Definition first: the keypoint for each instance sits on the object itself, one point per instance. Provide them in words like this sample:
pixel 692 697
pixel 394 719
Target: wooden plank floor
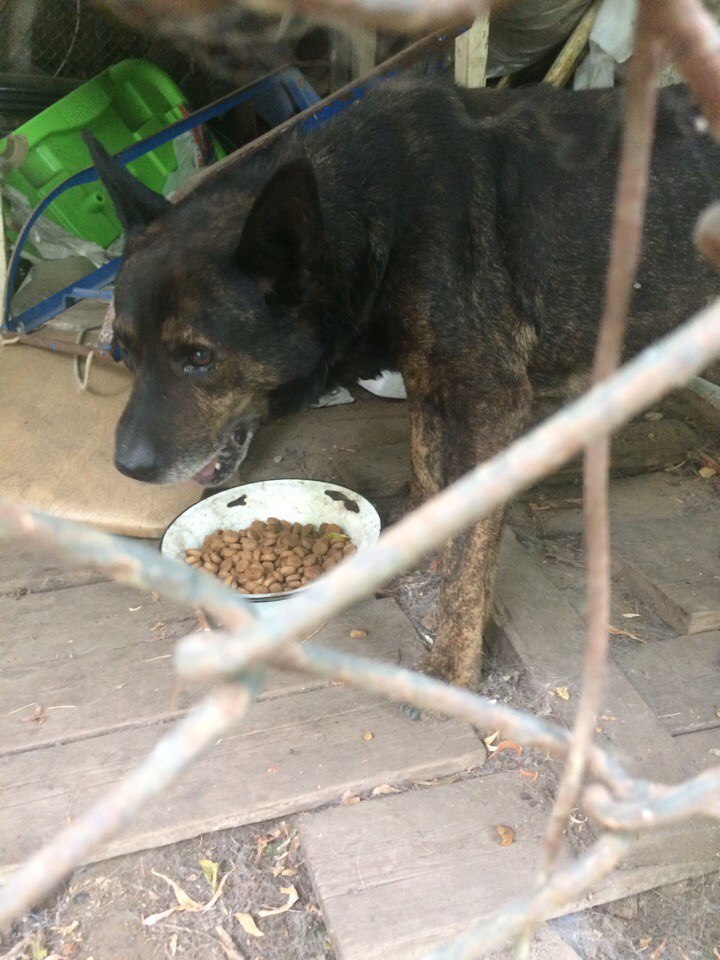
pixel 86 703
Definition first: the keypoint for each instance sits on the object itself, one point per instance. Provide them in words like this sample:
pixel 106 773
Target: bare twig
pixel 662 805
pixel 633 179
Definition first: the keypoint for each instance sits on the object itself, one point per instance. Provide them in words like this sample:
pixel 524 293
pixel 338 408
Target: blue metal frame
pixel 286 81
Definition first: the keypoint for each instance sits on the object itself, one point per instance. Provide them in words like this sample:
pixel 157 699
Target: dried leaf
pixel 292 898
pixel 184 901
pixel 644 942
pixel 599 730
pixel 618 632
pixel 509 745
pixel 562 692
pixel 383 790
pixel 358 634
pixel 707 472
pixel 506 835
pixel 717 712
pixel 348 798
pixel 248 925
pixel 607 716
pixel 210 872
pixel 658 951
pixel 289 872
pixel 654 415
pixel 489 741
pixel 367 736
pixel 173 944
pixel 529 774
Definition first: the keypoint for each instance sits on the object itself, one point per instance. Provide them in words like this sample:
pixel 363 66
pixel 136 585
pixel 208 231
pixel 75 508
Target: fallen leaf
pixel 530 774
pixel 506 835
pixel 158 625
pixel 644 942
pixel 654 415
pixel 489 741
pixel 617 632
pixel 717 712
pixel 173 944
pixel 562 692
pixel 272 769
pixel 38 716
pixel 715 752
pixel 383 790
pixel 707 472
pixel 599 730
pixel 184 901
pixel 248 925
pixel 658 951
pixel 508 745
pixel 289 872
pixel 292 898
pixel 357 634
pixel 210 872
pixel 348 798
pixel 608 717
pixel 368 735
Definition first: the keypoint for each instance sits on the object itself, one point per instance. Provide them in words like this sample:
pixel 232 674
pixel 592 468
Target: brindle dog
pixel 459 237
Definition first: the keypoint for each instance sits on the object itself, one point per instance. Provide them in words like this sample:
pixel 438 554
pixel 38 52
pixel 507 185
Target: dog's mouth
pixel 228 458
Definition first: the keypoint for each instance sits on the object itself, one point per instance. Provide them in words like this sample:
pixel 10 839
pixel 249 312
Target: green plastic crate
pixel 124 104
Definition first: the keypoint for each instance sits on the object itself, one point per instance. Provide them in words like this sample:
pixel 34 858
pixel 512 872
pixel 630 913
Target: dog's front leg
pixel 473 428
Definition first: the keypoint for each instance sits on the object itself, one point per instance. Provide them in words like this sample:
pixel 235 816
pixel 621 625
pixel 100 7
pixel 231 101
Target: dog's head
pixel 214 317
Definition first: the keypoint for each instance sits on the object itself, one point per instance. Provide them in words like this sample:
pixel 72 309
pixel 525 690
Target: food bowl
pixel 305 501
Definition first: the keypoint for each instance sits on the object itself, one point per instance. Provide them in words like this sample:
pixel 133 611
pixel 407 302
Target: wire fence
pixel 622 808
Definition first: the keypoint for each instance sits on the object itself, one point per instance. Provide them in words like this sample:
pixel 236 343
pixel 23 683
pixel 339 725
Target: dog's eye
pixel 199 359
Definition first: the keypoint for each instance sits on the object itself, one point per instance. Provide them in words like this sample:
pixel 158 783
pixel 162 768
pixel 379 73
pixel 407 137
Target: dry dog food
pixel 271 556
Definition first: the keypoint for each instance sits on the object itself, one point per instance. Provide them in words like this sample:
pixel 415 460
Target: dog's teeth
pixel 217 464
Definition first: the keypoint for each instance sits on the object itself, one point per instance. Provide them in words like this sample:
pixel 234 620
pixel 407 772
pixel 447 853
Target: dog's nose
pixel 137 460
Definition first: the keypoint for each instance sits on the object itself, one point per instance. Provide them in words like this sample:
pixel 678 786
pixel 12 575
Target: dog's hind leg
pixel 477 422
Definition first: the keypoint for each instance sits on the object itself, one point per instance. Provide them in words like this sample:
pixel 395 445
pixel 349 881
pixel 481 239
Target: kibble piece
pixel 321 547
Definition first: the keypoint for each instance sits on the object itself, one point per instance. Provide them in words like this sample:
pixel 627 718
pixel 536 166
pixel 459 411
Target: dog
pixel 460 237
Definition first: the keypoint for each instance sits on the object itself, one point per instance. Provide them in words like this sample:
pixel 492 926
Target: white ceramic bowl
pixel 304 501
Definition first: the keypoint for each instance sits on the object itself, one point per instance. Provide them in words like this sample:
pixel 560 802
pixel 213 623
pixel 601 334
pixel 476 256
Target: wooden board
pixel 399 874
pixel 675 565
pixel 292 753
pixel 651 497
pixel 548 635
pixel 98 658
pixel 701 747
pixel 639 447
pixel 58 447
pixel 31 569
pixel 679 679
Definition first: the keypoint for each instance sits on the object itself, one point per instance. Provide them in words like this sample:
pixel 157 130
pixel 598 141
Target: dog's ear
pixel 282 237
pixel 135 204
